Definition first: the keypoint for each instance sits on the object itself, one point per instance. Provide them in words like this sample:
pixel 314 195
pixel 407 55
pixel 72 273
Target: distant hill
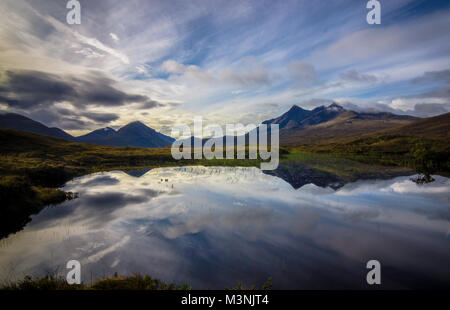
pixel 437 127
pixel 22 123
pixel 332 124
pixel 135 134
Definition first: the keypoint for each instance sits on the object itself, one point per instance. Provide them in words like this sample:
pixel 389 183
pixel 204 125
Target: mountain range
pixel 134 134
pixel 332 123
pixel 321 125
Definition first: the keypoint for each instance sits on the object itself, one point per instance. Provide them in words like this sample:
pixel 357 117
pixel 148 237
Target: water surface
pixel 215 227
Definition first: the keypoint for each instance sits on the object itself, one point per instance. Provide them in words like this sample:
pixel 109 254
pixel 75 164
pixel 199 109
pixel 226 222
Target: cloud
pixel 303 74
pixel 150 104
pixel 101 117
pixel 26 89
pixel 431 109
pixel 443 92
pixel 253 77
pixel 248 74
pixel 102 47
pixel 426 104
pixel 416 37
pixel 403 106
pixel 114 37
pixel 69 102
pixel 355 76
pixel 171 66
pixel 89 53
pixel 434 76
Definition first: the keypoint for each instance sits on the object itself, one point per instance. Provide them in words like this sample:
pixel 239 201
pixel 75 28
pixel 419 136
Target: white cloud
pixel 114 37
pixel 100 46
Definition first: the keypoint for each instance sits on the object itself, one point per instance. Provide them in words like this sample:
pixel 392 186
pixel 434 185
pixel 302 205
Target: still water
pixel 215 227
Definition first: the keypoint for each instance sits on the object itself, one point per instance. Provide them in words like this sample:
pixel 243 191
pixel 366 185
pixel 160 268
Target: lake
pixel 215 227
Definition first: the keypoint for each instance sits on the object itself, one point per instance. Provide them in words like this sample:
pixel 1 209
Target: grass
pixel 345 169
pixel 133 282
pixel 423 155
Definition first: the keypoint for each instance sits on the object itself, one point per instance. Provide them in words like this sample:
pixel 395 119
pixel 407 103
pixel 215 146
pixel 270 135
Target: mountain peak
pixel 296 108
pixel 138 123
pixel 335 107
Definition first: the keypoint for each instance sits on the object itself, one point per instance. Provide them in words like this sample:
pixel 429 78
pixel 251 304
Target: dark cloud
pixel 101 117
pixel 355 76
pixel 424 109
pixel 174 104
pixel 25 89
pixel 434 76
pixel 150 104
pixel 71 123
pixel 431 109
pixel 443 92
pixel 35 94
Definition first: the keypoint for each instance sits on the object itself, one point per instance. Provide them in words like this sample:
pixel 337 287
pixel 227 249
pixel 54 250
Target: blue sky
pixel 164 62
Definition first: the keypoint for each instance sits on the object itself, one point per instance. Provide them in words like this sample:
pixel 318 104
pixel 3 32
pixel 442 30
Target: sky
pixel 165 62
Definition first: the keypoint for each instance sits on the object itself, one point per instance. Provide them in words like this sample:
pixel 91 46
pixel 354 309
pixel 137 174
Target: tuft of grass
pixel 132 282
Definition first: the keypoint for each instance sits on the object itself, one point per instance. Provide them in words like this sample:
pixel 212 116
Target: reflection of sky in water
pixel 215 227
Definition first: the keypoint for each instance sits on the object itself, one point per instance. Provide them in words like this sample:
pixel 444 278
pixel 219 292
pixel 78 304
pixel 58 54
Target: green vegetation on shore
pixel 423 155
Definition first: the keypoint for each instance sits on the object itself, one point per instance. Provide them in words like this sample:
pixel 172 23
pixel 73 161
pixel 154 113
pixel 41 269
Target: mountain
pixel 22 123
pixel 290 119
pixel 297 117
pixel 135 134
pixel 96 134
pixel 332 123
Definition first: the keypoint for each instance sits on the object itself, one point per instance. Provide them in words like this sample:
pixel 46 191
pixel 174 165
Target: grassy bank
pixel 426 156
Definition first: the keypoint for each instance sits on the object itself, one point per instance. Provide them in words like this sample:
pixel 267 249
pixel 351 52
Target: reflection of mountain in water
pixel 298 175
pixel 136 173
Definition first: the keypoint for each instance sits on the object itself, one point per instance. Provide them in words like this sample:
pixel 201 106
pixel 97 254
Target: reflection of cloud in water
pixel 101 180
pixel 99 255
pixel 217 226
